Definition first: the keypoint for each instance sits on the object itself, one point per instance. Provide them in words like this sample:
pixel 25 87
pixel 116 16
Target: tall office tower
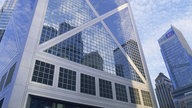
pixel 163 90
pixel 5 13
pixel 64 54
pixel 178 59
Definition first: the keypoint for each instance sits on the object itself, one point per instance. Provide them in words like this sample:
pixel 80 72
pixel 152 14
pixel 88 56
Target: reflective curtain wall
pixel 99 45
pixel 16 33
pixel 6 10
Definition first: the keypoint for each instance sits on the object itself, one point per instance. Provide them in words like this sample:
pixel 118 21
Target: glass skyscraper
pixel 73 54
pixel 177 56
pixel 178 59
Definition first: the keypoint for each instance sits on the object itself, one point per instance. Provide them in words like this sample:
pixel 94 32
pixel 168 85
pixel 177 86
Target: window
pixel 105 88
pixel 43 73
pixel 121 93
pixel 2 81
pixel 67 79
pixel 146 98
pixel 10 75
pixel 87 84
pixel 134 94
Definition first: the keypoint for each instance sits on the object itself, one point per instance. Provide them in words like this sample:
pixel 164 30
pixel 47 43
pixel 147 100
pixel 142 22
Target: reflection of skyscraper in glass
pixel 64 55
pixel 131 48
pixel 71 49
pixel 93 60
pixel 124 70
pixel 45 36
pixel 5 14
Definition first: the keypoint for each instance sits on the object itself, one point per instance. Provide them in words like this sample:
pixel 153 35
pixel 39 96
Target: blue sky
pixel 153 18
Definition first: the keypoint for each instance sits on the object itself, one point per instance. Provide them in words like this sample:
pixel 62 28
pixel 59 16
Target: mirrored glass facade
pixel 5 13
pixel 120 25
pixel 94 46
pixel 104 6
pixel 64 15
pixel 15 36
pixel 177 56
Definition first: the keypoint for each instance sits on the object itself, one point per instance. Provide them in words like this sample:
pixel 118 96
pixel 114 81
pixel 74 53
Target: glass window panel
pixel 103 6
pixel 134 94
pixel 121 93
pixel 146 98
pixel 67 79
pixel 88 84
pixel 42 73
pixel 105 89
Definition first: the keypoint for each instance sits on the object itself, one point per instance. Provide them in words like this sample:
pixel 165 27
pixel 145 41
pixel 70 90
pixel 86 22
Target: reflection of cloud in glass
pixel 120 25
pixel 103 6
pixel 8 48
pixel 73 12
pixel 94 60
pixel 17 31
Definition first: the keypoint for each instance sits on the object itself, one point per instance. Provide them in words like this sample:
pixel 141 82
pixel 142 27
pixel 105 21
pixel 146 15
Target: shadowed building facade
pixel 64 54
pixel 163 91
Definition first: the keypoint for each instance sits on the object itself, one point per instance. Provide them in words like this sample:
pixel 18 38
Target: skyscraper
pixel 5 14
pixel 177 56
pixel 61 54
pixel 163 90
pixel 178 59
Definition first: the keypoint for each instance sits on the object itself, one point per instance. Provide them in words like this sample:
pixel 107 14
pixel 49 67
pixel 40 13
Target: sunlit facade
pixel 73 53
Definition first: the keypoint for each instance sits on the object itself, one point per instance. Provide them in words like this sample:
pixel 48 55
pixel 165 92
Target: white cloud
pixel 153 18
pixel 1 3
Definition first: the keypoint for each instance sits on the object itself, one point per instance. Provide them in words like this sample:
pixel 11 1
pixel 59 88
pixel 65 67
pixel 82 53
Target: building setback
pixel 178 59
pixel 163 90
pixel 64 54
